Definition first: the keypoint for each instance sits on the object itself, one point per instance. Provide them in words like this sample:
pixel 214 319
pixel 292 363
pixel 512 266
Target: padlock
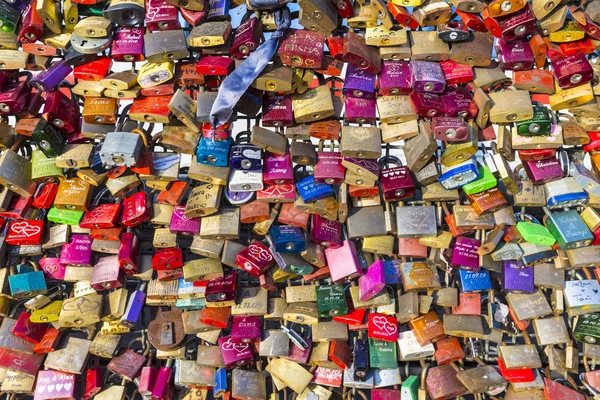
pixel 397 182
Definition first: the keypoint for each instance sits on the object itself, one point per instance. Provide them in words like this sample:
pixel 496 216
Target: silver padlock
pixel 121 148
pixel 165 46
pixel 86 45
pixel 245 181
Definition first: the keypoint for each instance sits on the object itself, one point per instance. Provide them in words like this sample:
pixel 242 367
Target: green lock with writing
pixel 331 300
pixel 44 169
pixel 382 355
pixel 587 329
pixel 68 217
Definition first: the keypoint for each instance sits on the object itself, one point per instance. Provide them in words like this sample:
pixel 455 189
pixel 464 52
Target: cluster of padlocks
pixel 310 200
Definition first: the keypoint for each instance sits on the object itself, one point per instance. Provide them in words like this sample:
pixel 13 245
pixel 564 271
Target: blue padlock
pixel 475 281
pixel 213 152
pixel 459 175
pixel 26 284
pixel 288 239
pixel 221 383
pixel 311 191
pixel 218 9
pixel 245 155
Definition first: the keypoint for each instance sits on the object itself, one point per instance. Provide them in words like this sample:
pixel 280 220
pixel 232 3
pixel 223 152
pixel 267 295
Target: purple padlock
pixel 329 168
pixel 372 282
pixel 247 38
pixel 50 78
pixel 359 83
pixel 128 44
pixel 360 111
pixel 464 253
pixel 277 110
pixel 572 70
pixel 278 169
pixel 78 251
pixel 543 171
pixel 449 129
pixel 427 77
pixel 458 102
pixel 246 328
pixel 325 232
pixel 182 224
pixel 515 56
pixel 517 278
pixel 235 352
pixel 394 78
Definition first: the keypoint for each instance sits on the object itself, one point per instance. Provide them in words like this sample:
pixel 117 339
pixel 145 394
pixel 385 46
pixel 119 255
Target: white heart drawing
pixel 23 228
pixel 68 386
pixel 59 387
pixel 50 388
pixel 41 389
pixel 238 347
pixel 383 324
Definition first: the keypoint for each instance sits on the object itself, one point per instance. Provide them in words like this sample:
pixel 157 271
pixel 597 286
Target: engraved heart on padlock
pixel 383 324
pixel 82 305
pixel 23 228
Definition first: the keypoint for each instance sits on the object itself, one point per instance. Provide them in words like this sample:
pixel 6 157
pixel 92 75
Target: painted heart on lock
pixel 23 228
pixel 386 326
pixel 233 346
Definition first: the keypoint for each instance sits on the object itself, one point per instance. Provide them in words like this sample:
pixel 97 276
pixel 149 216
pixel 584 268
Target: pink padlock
pixel 246 328
pixel 77 252
pixel 182 224
pixel 54 385
pixel 464 253
pixel 329 168
pixel 235 352
pixel 107 274
pixel 52 268
pixel 372 282
pixel 360 111
pixel 278 169
pixel 343 261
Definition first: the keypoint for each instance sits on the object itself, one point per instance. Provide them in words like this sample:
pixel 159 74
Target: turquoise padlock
pixel 26 284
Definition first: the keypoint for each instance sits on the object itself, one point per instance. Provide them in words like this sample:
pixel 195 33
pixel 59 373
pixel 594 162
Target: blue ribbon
pixel 234 86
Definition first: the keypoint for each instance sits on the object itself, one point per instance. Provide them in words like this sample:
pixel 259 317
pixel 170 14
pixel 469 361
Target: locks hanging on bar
pixel 194 192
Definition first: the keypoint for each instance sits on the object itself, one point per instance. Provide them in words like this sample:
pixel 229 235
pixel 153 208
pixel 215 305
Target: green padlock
pixel 68 217
pixel 532 231
pixel 587 329
pixel 539 125
pixel 44 169
pixel 331 300
pixel 486 181
pixel 382 355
